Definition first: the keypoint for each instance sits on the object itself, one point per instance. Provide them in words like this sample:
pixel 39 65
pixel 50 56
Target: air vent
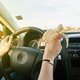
pixel 74 42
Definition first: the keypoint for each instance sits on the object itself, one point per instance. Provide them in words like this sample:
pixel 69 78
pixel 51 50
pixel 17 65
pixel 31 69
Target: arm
pixel 5 45
pixel 52 50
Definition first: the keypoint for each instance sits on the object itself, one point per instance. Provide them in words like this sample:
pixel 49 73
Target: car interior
pixel 23 61
pixel 26 59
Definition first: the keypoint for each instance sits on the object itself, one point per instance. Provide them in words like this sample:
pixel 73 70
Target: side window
pixel 1 31
pixel 4 31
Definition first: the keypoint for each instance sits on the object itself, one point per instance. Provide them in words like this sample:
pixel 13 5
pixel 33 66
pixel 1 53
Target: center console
pixel 68 67
pixel 73 56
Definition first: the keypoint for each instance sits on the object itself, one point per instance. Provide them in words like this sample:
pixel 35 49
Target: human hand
pixel 5 45
pixel 53 47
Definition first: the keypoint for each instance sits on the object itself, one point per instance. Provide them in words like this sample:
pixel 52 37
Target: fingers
pixel 58 37
pixel 55 38
pixel 5 39
pixel 10 39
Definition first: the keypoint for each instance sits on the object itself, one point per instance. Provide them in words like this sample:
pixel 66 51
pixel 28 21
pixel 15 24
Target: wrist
pixel 48 57
pixel 51 62
pixel 2 52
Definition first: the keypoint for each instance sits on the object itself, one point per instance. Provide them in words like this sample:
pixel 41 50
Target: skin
pixel 52 50
pixel 5 45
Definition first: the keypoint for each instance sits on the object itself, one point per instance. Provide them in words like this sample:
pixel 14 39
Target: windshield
pixel 44 14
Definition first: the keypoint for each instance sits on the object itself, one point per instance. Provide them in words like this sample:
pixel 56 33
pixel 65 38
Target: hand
pixel 53 47
pixel 5 45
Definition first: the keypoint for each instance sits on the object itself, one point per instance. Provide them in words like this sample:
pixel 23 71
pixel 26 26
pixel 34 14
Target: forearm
pixel 5 45
pixel 46 72
pixel 3 51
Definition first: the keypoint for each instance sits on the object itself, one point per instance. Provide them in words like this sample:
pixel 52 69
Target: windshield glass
pixel 44 14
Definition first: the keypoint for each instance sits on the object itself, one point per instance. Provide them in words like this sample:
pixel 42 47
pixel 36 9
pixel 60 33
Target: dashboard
pixel 68 68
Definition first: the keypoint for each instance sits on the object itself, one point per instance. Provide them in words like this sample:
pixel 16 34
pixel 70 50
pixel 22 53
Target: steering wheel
pixel 6 70
pixel 25 29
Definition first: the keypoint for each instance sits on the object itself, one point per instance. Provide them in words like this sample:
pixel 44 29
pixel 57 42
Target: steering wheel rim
pixel 15 34
pixel 25 29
